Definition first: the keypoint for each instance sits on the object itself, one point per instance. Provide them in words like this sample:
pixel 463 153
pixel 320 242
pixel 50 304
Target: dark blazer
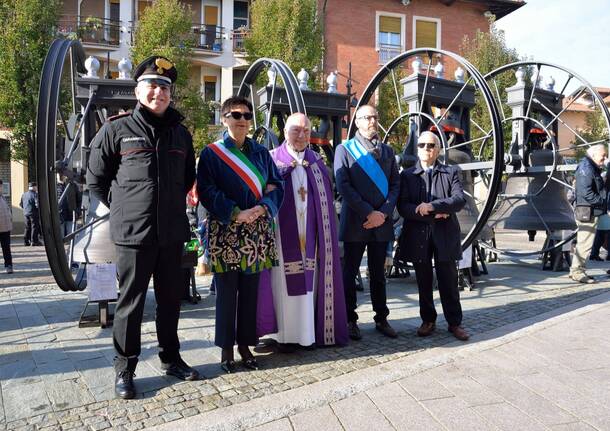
pixel 29 203
pixel 446 196
pixel 359 196
pixel 590 187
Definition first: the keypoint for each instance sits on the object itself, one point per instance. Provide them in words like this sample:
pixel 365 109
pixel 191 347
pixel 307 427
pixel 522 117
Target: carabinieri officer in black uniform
pixel 142 165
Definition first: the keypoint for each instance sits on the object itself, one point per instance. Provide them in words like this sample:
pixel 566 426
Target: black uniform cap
pixel 156 69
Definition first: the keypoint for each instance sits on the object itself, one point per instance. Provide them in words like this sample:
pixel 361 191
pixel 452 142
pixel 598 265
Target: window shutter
pixel 425 34
pixel 389 24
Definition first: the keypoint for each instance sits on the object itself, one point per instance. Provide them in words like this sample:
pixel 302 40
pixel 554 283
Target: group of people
pixel 273 236
pixel 31 215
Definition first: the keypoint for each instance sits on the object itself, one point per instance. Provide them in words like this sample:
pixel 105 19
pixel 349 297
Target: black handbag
pixel 583 213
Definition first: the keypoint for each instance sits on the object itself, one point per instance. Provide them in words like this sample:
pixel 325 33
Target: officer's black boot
pixel 123 385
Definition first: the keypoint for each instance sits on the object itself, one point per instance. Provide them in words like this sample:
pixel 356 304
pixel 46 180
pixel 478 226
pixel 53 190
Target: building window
pixel 238 76
pixel 240 14
pixel 426 32
pixel 390 35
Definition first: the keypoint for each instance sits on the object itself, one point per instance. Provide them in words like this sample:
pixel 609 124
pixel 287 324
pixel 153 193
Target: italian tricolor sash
pixel 243 167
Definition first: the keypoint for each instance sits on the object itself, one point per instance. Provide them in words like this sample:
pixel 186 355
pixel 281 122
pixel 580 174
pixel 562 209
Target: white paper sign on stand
pixel 466 261
pixel 102 281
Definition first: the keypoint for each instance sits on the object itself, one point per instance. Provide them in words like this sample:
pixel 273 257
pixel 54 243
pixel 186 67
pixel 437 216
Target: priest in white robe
pixel 301 301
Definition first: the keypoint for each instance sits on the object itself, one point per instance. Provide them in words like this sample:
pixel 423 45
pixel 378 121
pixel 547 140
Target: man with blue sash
pixel 368 182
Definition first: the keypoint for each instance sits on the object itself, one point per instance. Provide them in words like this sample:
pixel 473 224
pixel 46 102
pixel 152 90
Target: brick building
pixel 368 33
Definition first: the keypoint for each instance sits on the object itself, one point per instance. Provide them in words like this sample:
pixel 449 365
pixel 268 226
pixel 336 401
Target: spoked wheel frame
pixel 496 134
pixel 263 132
pixel 555 167
pixel 47 122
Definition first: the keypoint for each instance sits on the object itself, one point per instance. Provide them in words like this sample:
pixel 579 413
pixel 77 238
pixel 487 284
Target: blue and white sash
pixel 369 165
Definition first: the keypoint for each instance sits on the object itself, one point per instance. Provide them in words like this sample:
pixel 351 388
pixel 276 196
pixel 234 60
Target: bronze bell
pixel 549 209
pixel 94 245
pixel 467 217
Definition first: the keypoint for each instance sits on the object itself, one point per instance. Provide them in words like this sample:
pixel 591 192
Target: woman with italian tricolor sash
pixel 239 185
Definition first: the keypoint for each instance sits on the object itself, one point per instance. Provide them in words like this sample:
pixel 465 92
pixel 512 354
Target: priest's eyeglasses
pixel 426 145
pixel 368 117
pixel 237 115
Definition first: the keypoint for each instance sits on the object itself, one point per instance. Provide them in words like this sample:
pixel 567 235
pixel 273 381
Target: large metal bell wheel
pixel 412 93
pixel 274 92
pixel 537 101
pixel 58 132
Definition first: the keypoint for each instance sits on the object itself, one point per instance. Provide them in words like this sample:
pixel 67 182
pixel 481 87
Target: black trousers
pixel 135 266
pixel 447 277
pixel 236 301
pixel 352 256
pixel 5 243
pixel 32 229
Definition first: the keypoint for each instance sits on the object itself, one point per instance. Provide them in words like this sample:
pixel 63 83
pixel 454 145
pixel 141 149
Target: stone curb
pixel 268 409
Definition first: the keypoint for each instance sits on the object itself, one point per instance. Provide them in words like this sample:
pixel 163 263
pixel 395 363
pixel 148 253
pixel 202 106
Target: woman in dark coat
pixel 238 183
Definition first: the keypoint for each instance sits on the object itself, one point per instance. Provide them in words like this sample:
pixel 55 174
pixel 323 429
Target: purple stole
pixel 321 234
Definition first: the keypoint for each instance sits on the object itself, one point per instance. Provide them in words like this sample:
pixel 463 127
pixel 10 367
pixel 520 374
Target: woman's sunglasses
pixel 428 146
pixel 237 115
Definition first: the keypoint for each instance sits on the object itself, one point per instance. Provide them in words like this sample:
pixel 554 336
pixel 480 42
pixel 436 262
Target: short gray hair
pixel 594 149
pixel 437 140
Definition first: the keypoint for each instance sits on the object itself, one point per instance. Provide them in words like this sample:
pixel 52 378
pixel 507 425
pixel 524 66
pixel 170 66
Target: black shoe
pixel 250 363
pixel 353 331
pixel 228 366
pixel 286 347
pixel 26 244
pixel 37 244
pixel 123 385
pixel 385 328
pixel 596 258
pixel 181 370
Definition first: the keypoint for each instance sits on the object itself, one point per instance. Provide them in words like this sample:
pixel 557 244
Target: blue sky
pixel 571 33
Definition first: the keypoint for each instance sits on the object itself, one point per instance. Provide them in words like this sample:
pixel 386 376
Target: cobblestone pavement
pixel 551 375
pixel 54 375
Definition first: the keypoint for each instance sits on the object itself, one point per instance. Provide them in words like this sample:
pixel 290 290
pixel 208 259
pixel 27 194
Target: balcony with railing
pixel 90 29
pixel 238 36
pixel 387 52
pixel 209 37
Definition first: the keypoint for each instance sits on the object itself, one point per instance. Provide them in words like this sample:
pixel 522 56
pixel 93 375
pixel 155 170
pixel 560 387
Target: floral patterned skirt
pixel 247 248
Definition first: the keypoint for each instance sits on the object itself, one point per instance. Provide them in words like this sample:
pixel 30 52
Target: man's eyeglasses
pixel 368 117
pixel 428 146
pixel 237 115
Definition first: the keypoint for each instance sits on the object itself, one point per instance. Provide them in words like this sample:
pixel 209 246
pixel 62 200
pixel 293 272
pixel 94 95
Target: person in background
pixel 29 203
pixel 6 225
pixel 591 202
pixel 67 202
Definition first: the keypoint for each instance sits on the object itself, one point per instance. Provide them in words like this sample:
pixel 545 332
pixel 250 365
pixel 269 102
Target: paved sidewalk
pixel 552 375
pixel 54 375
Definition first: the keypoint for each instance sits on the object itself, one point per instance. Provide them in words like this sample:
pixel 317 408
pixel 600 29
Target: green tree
pixel 287 30
pixel 165 28
pixel 595 130
pixel 28 29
